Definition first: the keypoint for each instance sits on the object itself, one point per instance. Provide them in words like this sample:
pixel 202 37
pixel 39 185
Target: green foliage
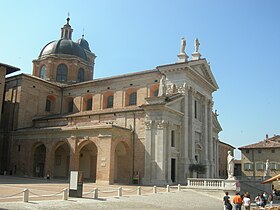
pixel 199 168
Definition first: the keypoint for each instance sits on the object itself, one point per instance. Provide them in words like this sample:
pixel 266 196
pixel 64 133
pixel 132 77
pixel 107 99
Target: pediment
pixel 203 69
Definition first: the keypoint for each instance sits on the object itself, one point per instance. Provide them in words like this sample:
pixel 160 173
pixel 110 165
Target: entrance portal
pixel 61 161
pixel 122 169
pixel 173 169
pixel 88 161
pixel 39 161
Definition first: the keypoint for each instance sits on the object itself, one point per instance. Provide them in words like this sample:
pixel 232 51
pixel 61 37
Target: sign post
pixel 76 184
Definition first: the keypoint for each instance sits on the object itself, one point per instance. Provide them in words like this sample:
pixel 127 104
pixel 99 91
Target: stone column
pixel 190 133
pixel 148 152
pixel 205 135
pixel 210 136
pixel 48 161
pixel 74 154
pixel 160 154
pixel 184 142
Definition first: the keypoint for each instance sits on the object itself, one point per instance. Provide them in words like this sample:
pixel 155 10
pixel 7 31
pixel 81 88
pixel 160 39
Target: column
pixel 74 154
pixel 190 133
pixel 205 135
pixel 160 154
pixel 184 144
pixel 148 153
pixel 48 161
pixel 210 136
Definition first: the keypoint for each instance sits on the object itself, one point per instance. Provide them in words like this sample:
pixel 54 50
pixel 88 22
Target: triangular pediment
pixel 202 68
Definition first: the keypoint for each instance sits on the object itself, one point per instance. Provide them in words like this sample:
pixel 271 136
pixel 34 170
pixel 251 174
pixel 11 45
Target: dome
pixel 83 43
pixel 63 47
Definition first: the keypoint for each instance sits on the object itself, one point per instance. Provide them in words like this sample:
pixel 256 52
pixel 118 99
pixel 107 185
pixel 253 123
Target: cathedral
pixel 151 125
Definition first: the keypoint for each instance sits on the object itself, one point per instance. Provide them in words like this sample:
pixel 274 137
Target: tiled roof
pixel 273 142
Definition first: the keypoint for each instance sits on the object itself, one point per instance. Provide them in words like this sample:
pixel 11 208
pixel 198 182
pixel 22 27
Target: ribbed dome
pixel 83 43
pixel 63 47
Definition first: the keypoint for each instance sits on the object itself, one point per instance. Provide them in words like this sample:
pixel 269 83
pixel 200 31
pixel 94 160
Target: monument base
pixel 232 186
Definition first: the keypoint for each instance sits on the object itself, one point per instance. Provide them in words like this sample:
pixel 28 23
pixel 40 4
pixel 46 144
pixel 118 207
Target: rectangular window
pixel 273 151
pixel 248 166
pixel 18 148
pixel 259 166
pixel 247 151
pixel 274 166
pixel 172 138
pixel 259 151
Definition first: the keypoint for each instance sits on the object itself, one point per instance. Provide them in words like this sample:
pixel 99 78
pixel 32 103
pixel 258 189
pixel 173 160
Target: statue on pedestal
pixel 196 45
pixel 162 86
pixel 266 172
pixel 183 46
pixel 230 165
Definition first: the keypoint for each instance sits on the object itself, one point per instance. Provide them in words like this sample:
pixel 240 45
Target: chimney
pixel 266 136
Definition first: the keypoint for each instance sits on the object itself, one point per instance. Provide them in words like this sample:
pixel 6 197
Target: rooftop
pixel 272 142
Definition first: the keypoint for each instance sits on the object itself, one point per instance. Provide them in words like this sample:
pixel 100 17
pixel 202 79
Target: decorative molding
pixel 148 124
pixel 104 136
pixel 161 124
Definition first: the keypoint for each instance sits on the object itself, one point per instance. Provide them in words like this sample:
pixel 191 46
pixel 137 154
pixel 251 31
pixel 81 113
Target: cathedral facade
pixel 151 125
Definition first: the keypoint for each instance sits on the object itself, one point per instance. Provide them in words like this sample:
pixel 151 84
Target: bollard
pixel 120 192
pixel 25 195
pixel 95 193
pixel 167 188
pixel 138 190
pixel 179 187
pixel 155 189
pixel 65 194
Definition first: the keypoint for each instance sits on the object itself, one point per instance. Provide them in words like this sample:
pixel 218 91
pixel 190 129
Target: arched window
pixel 70 105
pixel 81 75
pixel 89 104
pixel 110 101
pixel 43 72
pixel 156 92
pixel 61 73
pixel 132 99
pixel 48 105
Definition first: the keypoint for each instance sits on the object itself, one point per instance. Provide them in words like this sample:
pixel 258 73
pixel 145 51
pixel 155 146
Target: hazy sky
pixel 240 39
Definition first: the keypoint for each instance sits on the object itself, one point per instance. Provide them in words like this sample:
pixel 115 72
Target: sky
pixel 240 39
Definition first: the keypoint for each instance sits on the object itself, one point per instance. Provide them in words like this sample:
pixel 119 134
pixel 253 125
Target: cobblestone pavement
pixel 185 199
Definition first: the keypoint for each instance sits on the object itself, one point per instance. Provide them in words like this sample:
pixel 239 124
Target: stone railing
pixel 200 183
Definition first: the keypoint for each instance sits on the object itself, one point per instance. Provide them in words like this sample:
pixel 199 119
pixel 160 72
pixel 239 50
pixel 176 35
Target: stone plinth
pixel 196 56
pixel 182 57
pixel 231 186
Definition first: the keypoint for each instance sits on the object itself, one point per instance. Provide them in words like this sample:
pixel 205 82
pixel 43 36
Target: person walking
pixel 227 204
pixel 270 199
pixel 247 201
pixel 237 200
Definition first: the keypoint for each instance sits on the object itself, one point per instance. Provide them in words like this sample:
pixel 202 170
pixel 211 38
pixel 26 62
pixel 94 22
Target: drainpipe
pixel 133 144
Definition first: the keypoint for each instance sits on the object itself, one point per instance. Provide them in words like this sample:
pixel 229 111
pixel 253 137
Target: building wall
pixel 223 153
pixel 261 155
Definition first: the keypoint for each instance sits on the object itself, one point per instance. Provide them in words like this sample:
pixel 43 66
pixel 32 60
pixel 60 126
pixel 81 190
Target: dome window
pixel 43 72
pixel 81 75
pixel 61 74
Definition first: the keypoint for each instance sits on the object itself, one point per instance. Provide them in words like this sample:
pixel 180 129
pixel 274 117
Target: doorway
pixel 173 169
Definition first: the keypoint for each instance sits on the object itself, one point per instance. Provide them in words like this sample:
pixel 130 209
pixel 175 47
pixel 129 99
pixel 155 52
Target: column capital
pixel 148 124
pixel 161 124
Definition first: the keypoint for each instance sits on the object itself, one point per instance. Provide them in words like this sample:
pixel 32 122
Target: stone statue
pixel 196 45
pixel 266 172
pixel 183 46
pixel 162 86
pixel 230 165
